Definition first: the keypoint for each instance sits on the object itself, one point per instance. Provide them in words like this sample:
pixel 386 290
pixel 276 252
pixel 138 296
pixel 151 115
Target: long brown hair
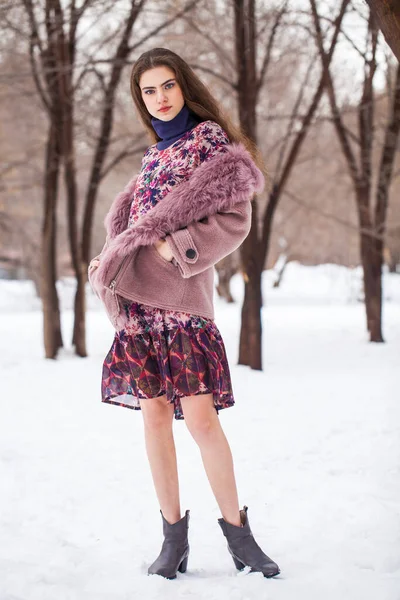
pixel 197 97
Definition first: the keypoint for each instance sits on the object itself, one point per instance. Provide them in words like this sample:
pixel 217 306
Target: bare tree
pixel 256 246
pixel 54 44
pixel 372 219
pixel 53 56
pixel 82 248
pixel 98 168
pixel 48 88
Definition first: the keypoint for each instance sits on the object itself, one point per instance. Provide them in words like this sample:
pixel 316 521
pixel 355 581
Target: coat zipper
pixel 111 287
pixel 113 282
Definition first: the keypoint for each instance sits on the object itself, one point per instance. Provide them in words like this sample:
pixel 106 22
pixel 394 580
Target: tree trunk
pixel 281 272
pixel 79 330
pixel 387 14
pixel 79 333
pixel 245 46
pixel 372 267
pixel 51 311
pixel 394 262
pixel 225 269
pixel 250 345
pixel 371 253
pixel 250 350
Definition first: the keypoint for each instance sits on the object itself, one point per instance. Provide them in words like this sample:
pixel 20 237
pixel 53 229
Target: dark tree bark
pixel 245 39
pixel 387 15
pixel 372 223
pixel 52 337
pixel 52 67
pixel 226 269
pixel 65 45
pixel 382 198
pixel 48 91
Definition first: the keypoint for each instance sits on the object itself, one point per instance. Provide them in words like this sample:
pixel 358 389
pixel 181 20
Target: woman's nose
pixel 161 96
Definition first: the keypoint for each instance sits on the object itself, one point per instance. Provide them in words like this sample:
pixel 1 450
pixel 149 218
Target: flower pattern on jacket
pixel 161 170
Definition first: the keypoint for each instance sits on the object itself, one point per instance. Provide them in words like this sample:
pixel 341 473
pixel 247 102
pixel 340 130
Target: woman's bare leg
pixel 203 423
pixel 160 447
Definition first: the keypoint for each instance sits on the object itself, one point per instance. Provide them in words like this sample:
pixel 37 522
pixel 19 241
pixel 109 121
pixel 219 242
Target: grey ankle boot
pixel 244 549
pixel 175 549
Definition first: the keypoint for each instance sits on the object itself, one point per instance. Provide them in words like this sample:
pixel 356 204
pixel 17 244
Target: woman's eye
pixel 167 86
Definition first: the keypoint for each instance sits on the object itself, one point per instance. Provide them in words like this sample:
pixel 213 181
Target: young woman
pixel 189 206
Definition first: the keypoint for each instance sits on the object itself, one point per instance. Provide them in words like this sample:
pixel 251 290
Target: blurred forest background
pixel 313 82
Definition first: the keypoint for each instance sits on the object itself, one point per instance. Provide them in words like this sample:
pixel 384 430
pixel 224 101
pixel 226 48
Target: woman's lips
pixel 164 109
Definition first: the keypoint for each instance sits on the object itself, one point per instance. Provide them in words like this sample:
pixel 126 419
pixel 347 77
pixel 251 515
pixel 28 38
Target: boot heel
pixel 183 566
pixel 238 564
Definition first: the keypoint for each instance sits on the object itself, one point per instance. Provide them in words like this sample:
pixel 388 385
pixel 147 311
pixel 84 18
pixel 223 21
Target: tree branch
pixel 337 119
pixel 267 56
pixel 316 209
pixel 211 40
pixel 154 32
pixel 128 151
pixel 366 108
pixel 293 119
pixel 298 142
pixel 215 74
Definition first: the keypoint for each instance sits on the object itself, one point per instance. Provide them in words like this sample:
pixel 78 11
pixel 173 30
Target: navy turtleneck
pixel 171 131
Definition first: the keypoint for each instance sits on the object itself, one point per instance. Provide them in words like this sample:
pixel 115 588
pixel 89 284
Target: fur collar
pixel 216 185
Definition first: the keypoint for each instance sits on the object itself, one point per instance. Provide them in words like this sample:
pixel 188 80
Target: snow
pixel 315 438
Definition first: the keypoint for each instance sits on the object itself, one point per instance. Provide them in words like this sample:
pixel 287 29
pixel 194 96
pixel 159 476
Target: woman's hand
pixel 94 263
pixel 164 250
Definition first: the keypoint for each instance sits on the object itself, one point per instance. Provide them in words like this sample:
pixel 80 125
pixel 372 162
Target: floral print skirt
pixel 165 352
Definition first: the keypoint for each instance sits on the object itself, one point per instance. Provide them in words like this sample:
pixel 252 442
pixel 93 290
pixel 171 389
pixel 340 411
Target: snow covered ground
pixel 315 438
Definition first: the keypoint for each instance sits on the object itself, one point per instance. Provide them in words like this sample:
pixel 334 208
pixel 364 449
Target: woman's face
pixel 161 93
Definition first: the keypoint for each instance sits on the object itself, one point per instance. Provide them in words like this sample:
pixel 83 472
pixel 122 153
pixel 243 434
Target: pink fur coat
pixel 203 219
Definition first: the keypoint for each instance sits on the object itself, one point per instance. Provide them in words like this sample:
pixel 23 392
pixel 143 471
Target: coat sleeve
pixel 116 219
pixel 203 243
pixel 92 270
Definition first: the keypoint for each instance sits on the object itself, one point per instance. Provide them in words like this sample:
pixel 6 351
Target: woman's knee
pixel 157 412
pixel 202 430
pixel 201 419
